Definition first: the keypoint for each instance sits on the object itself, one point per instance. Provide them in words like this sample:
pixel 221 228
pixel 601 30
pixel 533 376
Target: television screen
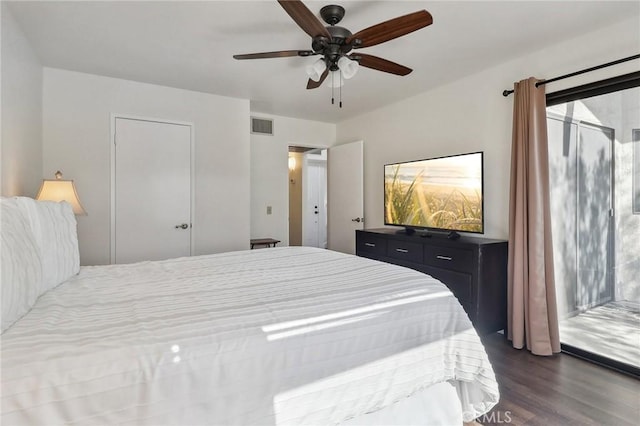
pixel 443 193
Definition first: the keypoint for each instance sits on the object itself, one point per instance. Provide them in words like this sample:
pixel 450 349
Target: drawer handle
pixel 369 244
pixel 443 257
pixel 399 250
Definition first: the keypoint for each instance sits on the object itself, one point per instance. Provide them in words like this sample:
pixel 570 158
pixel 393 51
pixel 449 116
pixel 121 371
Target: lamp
pixel 61 190
pixel 344 69
pixel 315 70
pixel 340 68
pixel 348 67
pixel 292 163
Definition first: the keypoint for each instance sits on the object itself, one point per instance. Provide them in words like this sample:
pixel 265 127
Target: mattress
pixel 277 336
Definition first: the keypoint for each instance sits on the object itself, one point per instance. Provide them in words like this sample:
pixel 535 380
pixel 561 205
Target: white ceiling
pixel 190 45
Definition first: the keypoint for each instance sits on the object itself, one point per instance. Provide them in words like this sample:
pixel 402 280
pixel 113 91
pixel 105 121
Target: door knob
pixel 358 219
pixel 183 226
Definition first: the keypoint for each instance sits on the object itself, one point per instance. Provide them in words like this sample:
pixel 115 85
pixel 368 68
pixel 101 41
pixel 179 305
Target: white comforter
pixel 274 336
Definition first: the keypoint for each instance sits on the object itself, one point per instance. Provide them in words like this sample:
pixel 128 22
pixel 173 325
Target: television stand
pixel 452 235
pixel 406 231
pixel 474 268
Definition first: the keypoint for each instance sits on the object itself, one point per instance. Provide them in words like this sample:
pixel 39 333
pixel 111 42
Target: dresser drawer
pixel 456 259
pixel 402 250
pixel 370 244
pixel 459 284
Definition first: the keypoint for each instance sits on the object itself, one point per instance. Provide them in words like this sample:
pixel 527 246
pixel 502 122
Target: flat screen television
pixel 440 194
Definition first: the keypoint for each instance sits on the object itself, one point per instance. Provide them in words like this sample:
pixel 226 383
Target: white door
pixel 345 196
pixel 151 191
pixel 314 216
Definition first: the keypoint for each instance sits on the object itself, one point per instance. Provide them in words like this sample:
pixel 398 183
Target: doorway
pixel 307 196
pixel 594 226
pixel 581 169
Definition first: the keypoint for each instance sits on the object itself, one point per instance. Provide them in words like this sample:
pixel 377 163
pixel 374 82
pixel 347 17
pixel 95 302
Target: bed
pixel 278 336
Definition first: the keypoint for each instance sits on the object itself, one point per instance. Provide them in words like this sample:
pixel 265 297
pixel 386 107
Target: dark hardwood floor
pixel 558 390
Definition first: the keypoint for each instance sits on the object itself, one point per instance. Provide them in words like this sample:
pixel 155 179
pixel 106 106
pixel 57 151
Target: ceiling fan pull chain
pixel 332 89
pixel 340 88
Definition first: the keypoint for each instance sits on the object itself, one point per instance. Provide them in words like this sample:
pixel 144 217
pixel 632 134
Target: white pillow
pixel 55 229
pixel 21 268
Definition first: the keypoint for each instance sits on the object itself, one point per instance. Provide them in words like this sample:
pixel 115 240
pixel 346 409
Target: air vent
pixel 261 126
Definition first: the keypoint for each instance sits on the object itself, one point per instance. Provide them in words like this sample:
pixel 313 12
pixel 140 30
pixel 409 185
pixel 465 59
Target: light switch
pixel 268 209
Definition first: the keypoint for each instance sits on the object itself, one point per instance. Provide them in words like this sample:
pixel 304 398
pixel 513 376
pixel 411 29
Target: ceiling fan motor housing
pixel 335 48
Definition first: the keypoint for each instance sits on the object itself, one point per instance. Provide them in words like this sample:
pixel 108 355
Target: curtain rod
pixel 562 77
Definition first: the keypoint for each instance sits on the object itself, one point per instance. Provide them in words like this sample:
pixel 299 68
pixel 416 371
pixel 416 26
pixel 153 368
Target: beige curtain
pixel 532 311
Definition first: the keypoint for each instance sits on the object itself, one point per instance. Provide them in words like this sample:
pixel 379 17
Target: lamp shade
pixel 348 67
pixel 61 190
pixel 315 70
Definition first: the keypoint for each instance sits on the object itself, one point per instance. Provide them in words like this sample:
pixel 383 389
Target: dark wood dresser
pixel 474 268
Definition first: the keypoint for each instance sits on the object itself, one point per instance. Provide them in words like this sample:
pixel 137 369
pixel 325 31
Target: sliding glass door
pixel 596 230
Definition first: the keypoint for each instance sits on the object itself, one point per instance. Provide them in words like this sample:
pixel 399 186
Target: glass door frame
pixel 602 87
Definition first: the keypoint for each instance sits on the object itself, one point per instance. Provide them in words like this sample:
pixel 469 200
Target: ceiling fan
pixel 335 43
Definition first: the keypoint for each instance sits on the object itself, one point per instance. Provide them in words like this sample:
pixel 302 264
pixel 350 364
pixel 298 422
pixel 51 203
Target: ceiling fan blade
pixel 391 29
pixel 312 84
pixel 278 54
pixel 304 18
pixel 379 64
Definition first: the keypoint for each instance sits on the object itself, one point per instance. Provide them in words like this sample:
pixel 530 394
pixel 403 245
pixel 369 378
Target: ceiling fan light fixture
pixel 335 80
pixel 315 70
pixel 348 67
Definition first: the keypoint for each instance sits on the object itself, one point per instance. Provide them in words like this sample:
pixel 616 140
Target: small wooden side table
pixel 263 242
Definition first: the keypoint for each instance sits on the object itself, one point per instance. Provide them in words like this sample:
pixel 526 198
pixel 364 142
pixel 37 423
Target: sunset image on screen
pixel 443 193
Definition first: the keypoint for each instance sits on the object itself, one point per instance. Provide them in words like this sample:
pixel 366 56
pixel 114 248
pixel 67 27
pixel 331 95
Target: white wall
pixel 77 111
pixel 21 111
pixel 472 115
pixel 270 172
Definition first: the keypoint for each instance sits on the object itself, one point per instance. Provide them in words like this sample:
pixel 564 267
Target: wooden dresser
pixel 474 268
